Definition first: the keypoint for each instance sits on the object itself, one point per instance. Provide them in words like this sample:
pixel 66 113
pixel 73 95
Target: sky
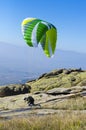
pixel 69 17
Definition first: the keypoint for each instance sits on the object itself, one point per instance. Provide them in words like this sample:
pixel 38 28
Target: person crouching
pixel 29 100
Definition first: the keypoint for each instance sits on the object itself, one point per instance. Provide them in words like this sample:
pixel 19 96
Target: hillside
pixel 61 78
pixel 57 91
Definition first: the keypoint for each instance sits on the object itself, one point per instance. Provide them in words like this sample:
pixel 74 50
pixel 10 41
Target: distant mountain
pixel 31 62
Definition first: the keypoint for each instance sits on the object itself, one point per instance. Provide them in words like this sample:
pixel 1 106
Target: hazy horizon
pixel 18 64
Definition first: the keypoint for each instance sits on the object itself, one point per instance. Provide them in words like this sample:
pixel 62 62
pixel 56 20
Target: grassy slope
pixel 69 120
pixel 59 80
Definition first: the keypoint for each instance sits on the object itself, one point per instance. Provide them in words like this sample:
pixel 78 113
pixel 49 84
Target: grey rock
pixel 57 91
pixel 83 93
pixel 72 90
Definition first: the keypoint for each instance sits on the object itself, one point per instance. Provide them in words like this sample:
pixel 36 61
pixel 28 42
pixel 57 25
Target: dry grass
pixel 77 103
pixel 61 121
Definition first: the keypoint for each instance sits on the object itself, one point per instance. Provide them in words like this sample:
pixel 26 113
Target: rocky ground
pixel 58 91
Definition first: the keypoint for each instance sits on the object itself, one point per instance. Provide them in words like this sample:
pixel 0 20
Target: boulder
pixel 64 91
pixel 54 73
pixel 57 91
pixel 83 93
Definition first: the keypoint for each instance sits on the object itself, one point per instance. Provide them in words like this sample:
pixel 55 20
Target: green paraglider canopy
pixel 36 31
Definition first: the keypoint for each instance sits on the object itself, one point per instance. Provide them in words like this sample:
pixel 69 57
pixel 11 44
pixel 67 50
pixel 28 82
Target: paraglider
pixel 36 31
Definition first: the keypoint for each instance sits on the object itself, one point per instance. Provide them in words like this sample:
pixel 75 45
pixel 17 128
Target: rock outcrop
pixel 64 91
pixel 14 89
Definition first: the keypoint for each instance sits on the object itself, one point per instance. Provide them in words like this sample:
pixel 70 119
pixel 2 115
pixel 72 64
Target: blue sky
pixel 69 17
